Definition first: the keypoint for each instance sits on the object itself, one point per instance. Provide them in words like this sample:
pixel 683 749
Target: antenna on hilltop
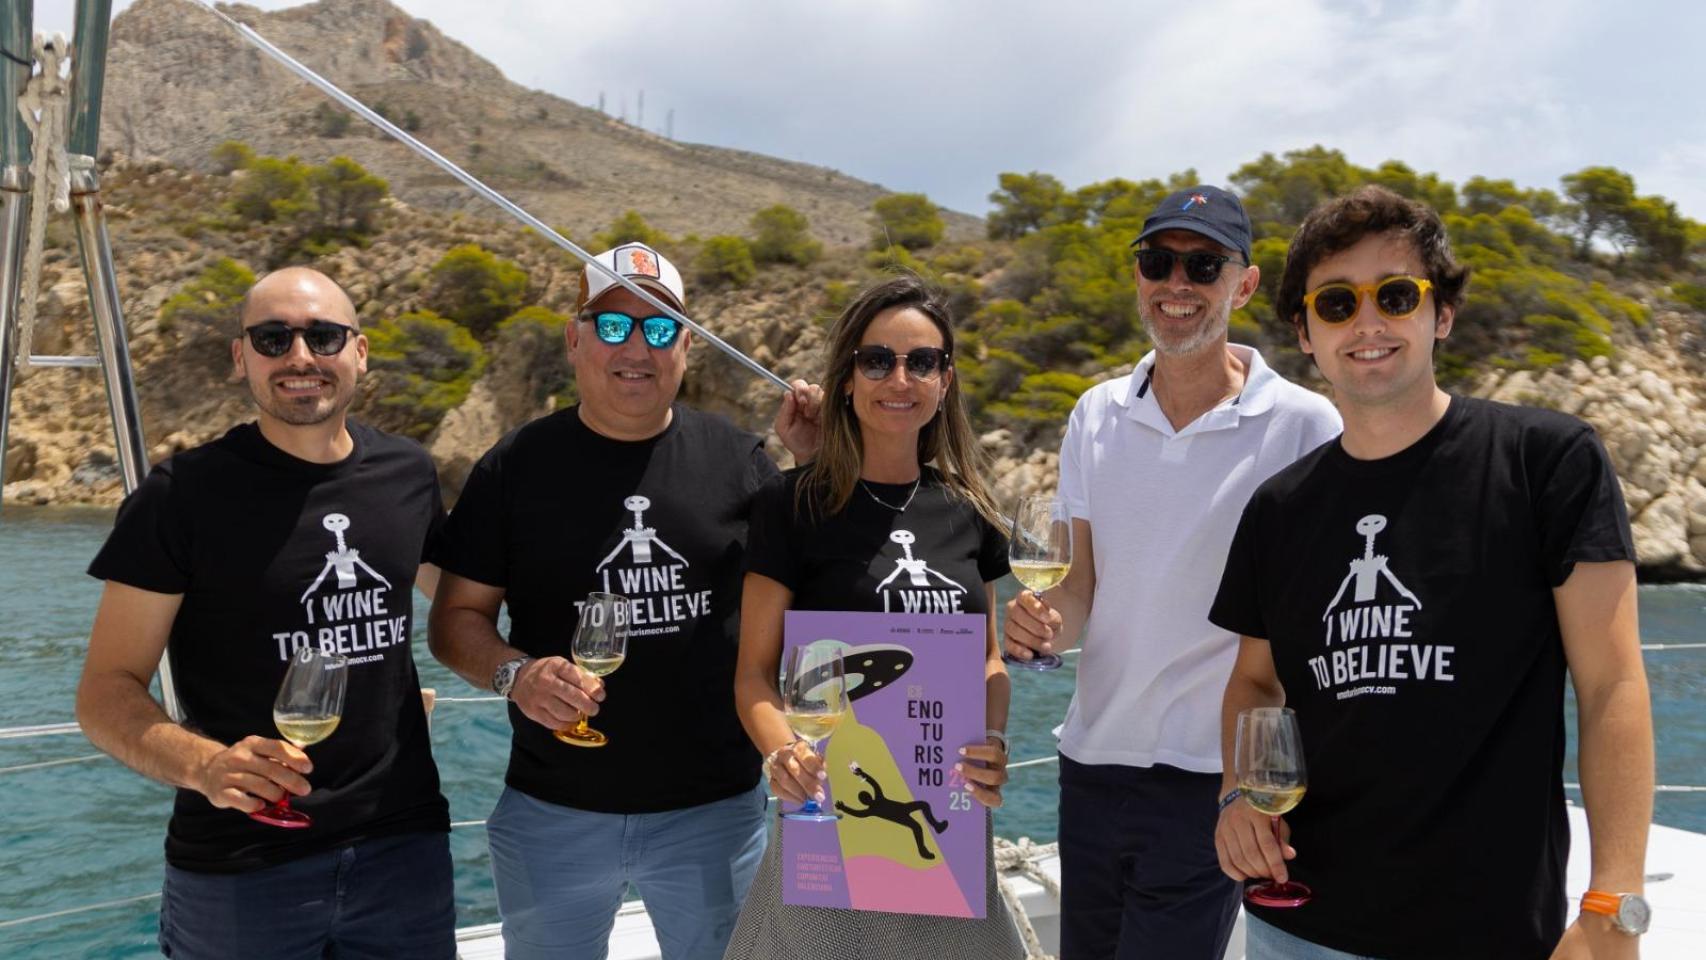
pixel 640 120
pixel 624 116
pixel 669 124
pixel 601 103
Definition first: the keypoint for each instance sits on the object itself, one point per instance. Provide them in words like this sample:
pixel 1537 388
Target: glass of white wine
pixel 814 699
pixel 1040 554
pixel 599 647
pixel 309 705
pixel 1268 755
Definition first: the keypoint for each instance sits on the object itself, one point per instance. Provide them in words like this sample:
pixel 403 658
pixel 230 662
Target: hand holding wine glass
pixel 1271 774
pixel 599 647
pixel 309 706
pixel 1040 555
pixel 814 699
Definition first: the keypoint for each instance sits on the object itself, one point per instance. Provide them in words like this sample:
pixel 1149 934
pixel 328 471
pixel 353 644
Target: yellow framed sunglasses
pixel 1396 298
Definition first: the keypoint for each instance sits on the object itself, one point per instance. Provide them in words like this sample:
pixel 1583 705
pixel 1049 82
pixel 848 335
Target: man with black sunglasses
pixel 303 528
pixel 1154 468
pixel 1417 593
pixel 633 493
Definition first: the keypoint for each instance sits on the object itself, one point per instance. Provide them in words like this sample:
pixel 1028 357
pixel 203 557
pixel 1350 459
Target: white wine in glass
pixel 599 647
pixel 1040 555
pixel 1268 758
pixel 309 704
pixel 814 699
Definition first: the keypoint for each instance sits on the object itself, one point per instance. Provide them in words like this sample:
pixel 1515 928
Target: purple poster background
pixel 911 838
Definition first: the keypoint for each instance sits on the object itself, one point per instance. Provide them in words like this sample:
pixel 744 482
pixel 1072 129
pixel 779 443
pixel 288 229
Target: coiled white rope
pixel 44 105
pixel 1021 857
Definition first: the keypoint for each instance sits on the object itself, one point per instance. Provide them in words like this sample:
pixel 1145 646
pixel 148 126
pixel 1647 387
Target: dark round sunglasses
pixel 275 337
pixel 613 328
pixel 1395 298
pixel 1202 268
pixel 922 363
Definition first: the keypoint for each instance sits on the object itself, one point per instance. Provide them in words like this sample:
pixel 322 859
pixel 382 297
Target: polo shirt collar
pixel 1261 390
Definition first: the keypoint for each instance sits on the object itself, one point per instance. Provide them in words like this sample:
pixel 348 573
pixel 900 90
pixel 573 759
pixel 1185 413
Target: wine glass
pixel 814 699
pixel 1268 755
pixel 600 645
pixel 309 705
pixel 1040 553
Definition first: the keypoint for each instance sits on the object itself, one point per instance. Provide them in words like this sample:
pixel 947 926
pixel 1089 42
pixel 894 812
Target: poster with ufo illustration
pixel 910 838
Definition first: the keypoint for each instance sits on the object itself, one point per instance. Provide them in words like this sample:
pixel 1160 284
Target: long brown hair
pixel 946 441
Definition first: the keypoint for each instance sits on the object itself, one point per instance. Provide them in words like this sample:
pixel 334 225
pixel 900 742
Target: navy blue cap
pixel 1210 211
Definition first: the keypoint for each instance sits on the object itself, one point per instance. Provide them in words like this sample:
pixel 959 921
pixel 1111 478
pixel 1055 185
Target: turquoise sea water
pixel 91 832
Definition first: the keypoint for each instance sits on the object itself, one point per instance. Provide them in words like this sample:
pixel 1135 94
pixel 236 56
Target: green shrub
pixel 781 234
pixel 272 189
pixel 210 301
pixel 233 155
pixel 725 260
pixel 347 200
pixel 909 220
pixel 528 365
pixel 330 121
pixel 630 227
pixel 1689 294
pixel 425 365
pixel 476 288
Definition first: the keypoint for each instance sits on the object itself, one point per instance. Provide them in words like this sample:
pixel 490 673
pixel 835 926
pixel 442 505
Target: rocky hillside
pixel 1647 403
pixel 179 83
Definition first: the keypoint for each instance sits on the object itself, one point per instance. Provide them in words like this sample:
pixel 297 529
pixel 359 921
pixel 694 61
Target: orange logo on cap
pixel 642 263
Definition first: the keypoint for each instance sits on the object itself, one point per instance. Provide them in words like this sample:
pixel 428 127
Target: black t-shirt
pixel 556 511
pixel 1408 603
pixel 270 553
pixel 935 557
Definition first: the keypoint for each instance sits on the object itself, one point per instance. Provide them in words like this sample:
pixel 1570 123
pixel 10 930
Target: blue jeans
pixel 381 898
pixel 561 872
pixel 1264 941
pixel 1139 877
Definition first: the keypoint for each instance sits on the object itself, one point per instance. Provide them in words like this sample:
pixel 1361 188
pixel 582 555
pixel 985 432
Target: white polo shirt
pixel 1162 506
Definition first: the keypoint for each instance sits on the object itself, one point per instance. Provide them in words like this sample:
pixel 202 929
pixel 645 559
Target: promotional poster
pixel 910 838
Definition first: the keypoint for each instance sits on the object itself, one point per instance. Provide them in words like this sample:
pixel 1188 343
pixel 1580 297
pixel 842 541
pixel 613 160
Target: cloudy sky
pixel 941 96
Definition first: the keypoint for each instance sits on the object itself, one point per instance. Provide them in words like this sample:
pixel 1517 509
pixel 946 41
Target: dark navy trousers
pixel 389 897
pixel 1138 873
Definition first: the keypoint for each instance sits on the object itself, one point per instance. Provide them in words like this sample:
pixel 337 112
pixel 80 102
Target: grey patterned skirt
pixel 771 930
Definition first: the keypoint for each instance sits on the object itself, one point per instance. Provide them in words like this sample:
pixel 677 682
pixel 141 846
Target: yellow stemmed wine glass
pixel 309 705
pixel 599 647
pixel 1268 756
pixel 814 699
pixel 1040 554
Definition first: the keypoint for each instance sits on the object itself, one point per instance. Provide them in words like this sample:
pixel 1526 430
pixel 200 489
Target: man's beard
pixel 308 411
pixel 1211 330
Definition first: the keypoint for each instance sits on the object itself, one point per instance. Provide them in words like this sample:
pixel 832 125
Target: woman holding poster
pixel 893 518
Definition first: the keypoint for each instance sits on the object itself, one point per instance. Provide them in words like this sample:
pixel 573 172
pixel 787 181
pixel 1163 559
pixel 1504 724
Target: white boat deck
pixel 1676 887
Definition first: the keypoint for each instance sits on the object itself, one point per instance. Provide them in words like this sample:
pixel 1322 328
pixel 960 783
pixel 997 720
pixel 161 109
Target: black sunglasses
pixel 274 337
pixel 922 363
pixel 1156 264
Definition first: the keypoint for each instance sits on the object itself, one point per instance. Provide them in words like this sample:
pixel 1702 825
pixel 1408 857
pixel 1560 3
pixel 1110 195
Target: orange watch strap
pixel 1598 901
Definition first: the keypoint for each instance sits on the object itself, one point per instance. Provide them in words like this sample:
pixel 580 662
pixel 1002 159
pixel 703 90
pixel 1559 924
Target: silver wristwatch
pixel 503 680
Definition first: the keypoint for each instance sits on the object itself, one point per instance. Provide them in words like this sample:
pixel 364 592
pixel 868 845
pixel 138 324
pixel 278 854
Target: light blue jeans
pixel 1264 941
pixel 561 872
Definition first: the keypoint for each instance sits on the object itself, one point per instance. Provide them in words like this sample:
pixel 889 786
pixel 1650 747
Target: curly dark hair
pixel 1338 225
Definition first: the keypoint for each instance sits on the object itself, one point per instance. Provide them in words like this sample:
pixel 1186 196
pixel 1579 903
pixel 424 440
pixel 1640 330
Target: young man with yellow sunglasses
pixel 1416 593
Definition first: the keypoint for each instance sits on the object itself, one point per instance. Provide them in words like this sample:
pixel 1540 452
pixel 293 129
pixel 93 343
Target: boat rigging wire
pixel 473 183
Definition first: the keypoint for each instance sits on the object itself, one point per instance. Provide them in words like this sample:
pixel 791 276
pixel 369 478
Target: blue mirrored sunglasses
pixel 613 328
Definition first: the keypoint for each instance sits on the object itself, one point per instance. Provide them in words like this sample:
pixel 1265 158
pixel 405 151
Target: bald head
pixel 299 287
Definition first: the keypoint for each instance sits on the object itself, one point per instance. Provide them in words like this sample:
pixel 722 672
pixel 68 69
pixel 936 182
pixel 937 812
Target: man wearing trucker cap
pixel 628 492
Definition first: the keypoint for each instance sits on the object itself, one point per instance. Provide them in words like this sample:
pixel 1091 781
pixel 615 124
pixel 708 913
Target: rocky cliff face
pixel 1649 406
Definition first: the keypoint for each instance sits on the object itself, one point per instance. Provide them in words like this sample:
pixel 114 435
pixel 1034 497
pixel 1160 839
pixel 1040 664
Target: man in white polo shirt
pixel 1155 470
